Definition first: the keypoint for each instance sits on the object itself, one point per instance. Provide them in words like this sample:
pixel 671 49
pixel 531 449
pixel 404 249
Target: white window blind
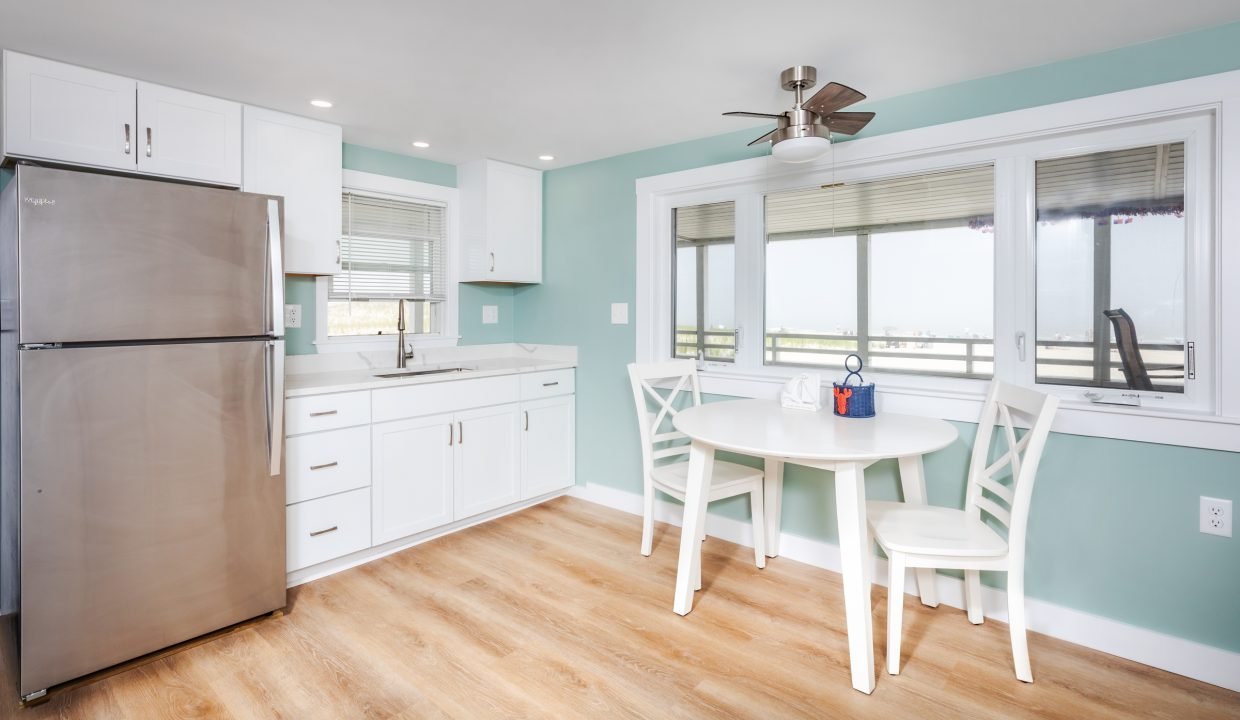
pixel 390 249
pixel 1134 181
pixel 955 197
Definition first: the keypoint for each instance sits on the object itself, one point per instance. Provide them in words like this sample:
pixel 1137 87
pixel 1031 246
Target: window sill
pixel 961 401
pixel 372 343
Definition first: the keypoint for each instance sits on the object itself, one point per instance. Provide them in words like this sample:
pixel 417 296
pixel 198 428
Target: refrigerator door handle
pixel 275 403
pixel 276 267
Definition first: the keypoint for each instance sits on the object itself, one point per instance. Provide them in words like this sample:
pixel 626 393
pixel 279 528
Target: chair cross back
pixel 643 379
pixel 1009 504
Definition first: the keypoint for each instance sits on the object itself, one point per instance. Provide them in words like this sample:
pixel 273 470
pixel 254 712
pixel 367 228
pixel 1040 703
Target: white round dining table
pixel 816 439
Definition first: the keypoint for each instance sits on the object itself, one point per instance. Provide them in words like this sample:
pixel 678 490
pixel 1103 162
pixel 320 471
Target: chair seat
pixel 674 476
pixel 932 530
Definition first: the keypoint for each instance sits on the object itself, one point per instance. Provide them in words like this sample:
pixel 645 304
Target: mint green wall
pixel 1114 524
pixel 300 289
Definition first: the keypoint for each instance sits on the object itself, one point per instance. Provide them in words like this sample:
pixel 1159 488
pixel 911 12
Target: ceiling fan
pixel 804 132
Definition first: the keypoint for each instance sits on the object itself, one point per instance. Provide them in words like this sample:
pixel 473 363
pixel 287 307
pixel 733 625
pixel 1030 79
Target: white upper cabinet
pixel 301 160
pixel 69 114
pixel 501 222
pixel 187 135
pixel 62 112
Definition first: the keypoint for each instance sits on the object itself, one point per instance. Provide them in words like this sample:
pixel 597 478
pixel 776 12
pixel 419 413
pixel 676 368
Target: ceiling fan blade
pixel 740 113
pixel 847 123
pixel 833 96
pixel 765 137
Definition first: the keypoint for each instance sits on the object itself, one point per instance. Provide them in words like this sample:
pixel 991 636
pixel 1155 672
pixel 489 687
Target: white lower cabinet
pixel 547 447
pixel 373 467
pixel 488 455
pixel 412 478
pixel 326 528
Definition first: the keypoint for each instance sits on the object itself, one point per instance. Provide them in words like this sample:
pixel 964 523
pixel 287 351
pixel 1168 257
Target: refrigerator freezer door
pixel 112 259
pixel 149 512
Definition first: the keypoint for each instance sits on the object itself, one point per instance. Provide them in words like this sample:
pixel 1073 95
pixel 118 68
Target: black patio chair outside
pixel 1135 372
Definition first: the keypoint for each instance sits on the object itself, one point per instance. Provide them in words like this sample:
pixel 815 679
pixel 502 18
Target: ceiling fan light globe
pixel 800 149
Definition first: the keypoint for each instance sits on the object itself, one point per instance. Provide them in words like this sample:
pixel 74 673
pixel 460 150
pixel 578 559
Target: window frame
pixel 363 183
pixel 1194 111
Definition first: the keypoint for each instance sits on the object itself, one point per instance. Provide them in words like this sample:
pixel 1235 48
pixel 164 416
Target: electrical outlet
pixel 1215 516
pixel 292 316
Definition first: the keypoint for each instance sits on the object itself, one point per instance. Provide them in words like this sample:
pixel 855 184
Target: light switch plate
pixel 490 314
pixel 619 313
pixel 292 316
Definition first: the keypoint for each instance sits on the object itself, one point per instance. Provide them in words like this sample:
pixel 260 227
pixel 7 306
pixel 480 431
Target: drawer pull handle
pixel 551 384
pixel 324 466
pixel 331 529
pixel 321 413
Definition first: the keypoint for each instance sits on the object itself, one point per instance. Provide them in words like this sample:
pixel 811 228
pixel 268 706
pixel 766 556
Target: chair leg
pixel 648 521
pixel 759 526
pixel 895 611
pixel 973 595
pixel 1017 626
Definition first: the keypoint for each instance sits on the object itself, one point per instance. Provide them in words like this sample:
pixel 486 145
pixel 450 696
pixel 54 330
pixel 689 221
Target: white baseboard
pixel 1148 647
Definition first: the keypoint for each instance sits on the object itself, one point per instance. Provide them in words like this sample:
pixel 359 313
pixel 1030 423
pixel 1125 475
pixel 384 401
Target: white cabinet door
pixel 501 222
pixel 547 445
pixel 488 457
pixel 69 114
pixel 411 480
pixel 301 160
pixel 514 223
pixel 186 135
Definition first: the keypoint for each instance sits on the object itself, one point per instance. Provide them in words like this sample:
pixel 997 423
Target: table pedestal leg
pixel 855 563
pixel 913 482
pixel 701 464
pixel 772 500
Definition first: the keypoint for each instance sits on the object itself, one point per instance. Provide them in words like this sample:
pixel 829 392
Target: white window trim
pixel 363 183
pixel 1094 122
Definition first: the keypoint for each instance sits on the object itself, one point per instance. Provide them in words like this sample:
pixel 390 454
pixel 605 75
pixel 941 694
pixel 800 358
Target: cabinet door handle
pixel 331 529
pixel 450 443
pixel 551 384
pixel 492 262
pixel 127 146
pixel 324 466
pixel 148 142
pixel 460 433
pixel 527 419
pixel 321 413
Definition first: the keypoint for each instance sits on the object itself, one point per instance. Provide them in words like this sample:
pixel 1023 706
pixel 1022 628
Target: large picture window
pixel 900 271
pixel 704 305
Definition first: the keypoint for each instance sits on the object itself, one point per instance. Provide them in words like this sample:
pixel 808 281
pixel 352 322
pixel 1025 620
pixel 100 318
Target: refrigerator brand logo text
pixel 38 202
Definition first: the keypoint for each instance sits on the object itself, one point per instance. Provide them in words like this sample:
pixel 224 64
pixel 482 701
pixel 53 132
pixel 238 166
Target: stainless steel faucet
pixel 404 352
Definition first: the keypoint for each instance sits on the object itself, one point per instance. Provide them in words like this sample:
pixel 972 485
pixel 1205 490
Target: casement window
pixel 1074 248
pixel 396 246
pixel 391 251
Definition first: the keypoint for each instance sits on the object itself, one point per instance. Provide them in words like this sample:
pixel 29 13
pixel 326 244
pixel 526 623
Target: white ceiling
pixel 579 79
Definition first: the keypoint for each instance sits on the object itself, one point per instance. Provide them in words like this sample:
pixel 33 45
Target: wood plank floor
pixel 552 612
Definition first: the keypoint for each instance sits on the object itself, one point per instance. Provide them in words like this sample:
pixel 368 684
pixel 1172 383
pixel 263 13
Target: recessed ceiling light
pixel 546 157
pixel 421 144
pixel 321 103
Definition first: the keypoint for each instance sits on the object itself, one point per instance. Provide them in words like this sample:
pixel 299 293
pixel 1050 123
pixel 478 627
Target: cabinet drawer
pixel 327 463
pixel 326 412
pixel 547 384
pixel 432 398
pixel 319 530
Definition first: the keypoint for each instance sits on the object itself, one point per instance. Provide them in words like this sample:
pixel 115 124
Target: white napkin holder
pixel 802 392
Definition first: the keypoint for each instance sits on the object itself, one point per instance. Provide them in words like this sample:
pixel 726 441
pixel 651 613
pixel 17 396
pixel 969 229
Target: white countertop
pixel 318 383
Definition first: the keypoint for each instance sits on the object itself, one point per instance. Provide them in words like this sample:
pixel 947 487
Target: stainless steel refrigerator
pixel 141 367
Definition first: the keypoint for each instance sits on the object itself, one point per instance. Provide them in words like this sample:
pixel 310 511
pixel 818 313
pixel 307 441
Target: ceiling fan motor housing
pixel 802 76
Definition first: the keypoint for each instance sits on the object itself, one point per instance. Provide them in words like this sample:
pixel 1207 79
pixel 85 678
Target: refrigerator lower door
pixel 108 258
pixel 149 511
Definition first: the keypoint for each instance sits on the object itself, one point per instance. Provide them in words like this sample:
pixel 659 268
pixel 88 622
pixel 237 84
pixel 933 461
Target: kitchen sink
pixel 428 371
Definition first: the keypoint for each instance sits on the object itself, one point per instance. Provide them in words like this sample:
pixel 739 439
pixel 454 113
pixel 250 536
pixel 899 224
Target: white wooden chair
pixel 921 536
pixel 661 444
